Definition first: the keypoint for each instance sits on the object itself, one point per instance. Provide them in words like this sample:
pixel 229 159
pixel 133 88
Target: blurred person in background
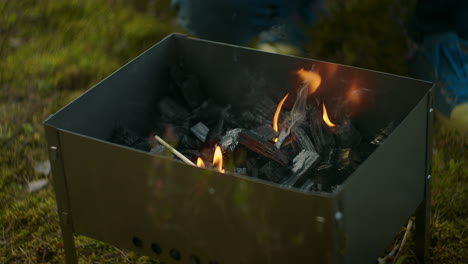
pixel 439 27
pixel 275 25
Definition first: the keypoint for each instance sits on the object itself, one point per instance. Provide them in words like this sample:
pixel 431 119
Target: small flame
pixel 200 163
pixel 312 78
pixel 326 119
pixel 218 159
pixel 275 118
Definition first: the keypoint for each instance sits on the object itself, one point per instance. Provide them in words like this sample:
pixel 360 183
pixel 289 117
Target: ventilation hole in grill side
pixel 175 254
pixel 194 260
pixel 213 262
pixel 156 248
pixel 137 242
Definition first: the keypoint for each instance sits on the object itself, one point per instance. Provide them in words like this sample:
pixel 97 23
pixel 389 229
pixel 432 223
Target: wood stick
pixel 174 151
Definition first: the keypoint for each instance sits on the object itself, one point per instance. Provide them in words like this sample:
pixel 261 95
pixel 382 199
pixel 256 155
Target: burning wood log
pixel 256 144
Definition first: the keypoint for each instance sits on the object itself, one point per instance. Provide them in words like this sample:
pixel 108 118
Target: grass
pixel 52 51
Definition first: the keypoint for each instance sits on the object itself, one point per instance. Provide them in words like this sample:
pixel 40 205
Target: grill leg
pixel 68 240
pixel 422 232
pixel 423 212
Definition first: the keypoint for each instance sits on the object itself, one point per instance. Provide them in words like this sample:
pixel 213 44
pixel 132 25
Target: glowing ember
pixel 200 163
pixel 275 118
pixel 218 159
pixel 325 117
pixel 312 78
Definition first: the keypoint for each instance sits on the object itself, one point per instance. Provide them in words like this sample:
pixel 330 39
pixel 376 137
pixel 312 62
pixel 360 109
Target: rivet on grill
pixel 53 153
pixel 194 260
pixel 431 110
pixel 156 248
pixel 211 190
pixel 175 254
pixel 338 216
pixel 137 242
pixel 429 177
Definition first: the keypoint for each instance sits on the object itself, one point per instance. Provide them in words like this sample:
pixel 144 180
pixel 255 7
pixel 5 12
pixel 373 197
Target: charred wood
pixel 256 144
pixel 303 163
pixel 200 131
pixel 302 139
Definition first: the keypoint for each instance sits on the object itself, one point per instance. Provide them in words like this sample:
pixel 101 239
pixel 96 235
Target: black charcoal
pixel 302 139
pixel 190 142
pixel 273 172
pixel 343 159
pixel 189 86
pixel 264 107
pixel 242 171
pixel 346 135
pixel 157 149
pixel 321 135
pixel 129 138
pixel 251 119
pixel 171 110
pixel 218 129
pixel 308 184
pixel 200 131
pixel 229 141
pixel 266 132
pixel 251 165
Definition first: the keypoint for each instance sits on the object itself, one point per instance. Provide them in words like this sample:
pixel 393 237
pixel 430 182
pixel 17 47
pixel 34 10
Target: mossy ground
pixel 52 51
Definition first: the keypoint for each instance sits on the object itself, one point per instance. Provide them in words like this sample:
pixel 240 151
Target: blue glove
pixel 234 21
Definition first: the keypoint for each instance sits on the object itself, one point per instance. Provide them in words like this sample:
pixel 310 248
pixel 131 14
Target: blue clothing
pixel 241 21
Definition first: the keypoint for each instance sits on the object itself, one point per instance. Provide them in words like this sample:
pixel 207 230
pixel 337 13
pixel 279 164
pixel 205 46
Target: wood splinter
pixel 174 151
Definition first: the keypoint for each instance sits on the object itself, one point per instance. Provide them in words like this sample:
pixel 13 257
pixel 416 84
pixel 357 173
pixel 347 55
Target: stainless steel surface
pixel 133 199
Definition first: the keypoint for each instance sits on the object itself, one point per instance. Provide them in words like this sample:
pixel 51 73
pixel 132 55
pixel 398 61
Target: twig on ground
pixel 403 241
pixel 124 255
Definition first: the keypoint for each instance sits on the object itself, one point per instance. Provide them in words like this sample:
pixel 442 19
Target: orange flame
pixel 312 78
pixel 200 163
pixel 326 119
pixel 218 159
pixel 275 118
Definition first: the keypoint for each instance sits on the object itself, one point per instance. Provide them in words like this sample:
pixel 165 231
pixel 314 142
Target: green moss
pixel 363 33
pixel 52 51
